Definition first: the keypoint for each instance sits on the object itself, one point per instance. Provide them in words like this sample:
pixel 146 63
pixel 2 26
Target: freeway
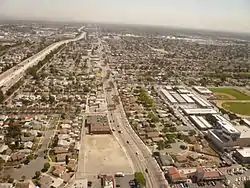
pixel 11 76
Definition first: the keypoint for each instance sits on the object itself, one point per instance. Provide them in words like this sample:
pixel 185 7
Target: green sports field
pixel 242 108
pixel 229 94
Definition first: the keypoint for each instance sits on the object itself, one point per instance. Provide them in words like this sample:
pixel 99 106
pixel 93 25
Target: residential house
pixel 17 156
pixel 63 143
pixel 6 185
pixel 61 157
pixel 153 134
pixel 28 144
pixel 60 150
pixel 28 184
pixel 27 139
pixel 67 176
pixel 71 165
pixel 46 181
pixel 59 170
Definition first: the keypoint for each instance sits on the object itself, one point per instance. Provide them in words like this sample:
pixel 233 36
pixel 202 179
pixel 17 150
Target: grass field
pixel 229 94
pixel 242 108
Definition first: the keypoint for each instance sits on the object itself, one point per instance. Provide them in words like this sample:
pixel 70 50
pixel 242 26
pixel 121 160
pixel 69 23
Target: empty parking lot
pixel 103 154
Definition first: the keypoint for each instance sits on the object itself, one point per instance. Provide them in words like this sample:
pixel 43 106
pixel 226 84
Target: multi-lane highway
pixel 11 76
pixel 138 152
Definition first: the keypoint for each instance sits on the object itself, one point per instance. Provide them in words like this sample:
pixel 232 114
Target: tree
pixel 11 180
pixel 172 129
pixel 191 133
pixel 140 179
pixel 1 96
pixel 66 159
pixel 160 145
pixel 46 165
pixel 14 132
pixel 37 174
pixel 184 147
pixel 247 184
pixel 153 118
pixel 52 99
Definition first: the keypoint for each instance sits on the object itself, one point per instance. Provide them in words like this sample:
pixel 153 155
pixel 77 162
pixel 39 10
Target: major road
pixel 11 76
pixel 139 153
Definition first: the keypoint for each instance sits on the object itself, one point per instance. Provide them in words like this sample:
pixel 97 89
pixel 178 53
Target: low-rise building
pixel 175 176
pixel 206 174
pixel 98 124
pixel 59 170
pixel 243 155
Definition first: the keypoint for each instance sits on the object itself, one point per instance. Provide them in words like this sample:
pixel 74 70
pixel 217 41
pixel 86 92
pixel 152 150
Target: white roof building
pixel 244 152
pixel 199 111
pixel 202 90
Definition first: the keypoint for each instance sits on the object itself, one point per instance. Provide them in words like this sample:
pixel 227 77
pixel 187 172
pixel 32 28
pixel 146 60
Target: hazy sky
pixel 231 15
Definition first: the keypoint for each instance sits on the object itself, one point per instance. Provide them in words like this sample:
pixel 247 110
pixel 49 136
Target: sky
pixel 225 15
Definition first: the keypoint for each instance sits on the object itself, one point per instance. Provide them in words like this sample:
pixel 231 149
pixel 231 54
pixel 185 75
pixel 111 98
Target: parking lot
pixel 104 156
pixel 235 178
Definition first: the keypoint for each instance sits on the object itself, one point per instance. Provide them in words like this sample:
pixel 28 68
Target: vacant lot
pixel 242 108
pixel 104 155
pixel 229 94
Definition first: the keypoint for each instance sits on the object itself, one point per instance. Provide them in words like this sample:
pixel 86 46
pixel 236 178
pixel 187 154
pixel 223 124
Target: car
pixel 127 142
pixel 136 153
pixel 213 183
pixel 132 183
pixel 146 170
pixel 89 183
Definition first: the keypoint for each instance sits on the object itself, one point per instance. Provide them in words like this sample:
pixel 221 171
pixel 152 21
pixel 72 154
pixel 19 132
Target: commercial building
pixel 200 122
pixel 169 97
pixel 207 174
pixel 98 124
pixel 226 137
pixel 202 90
pixel 187 98
pixel 178 97
pixel 199 111
pixel 202 102
pixel 243 155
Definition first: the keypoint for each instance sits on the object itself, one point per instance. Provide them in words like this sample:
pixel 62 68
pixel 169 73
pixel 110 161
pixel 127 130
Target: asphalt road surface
pixel 140 155
pixel 11 76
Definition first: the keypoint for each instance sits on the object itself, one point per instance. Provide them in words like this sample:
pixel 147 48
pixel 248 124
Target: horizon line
pixel 8 18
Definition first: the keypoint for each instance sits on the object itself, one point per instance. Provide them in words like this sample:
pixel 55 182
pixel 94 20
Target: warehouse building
pixel 98 124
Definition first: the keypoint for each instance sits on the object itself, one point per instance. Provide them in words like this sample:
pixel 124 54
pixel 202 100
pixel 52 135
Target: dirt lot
pixel 104 155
